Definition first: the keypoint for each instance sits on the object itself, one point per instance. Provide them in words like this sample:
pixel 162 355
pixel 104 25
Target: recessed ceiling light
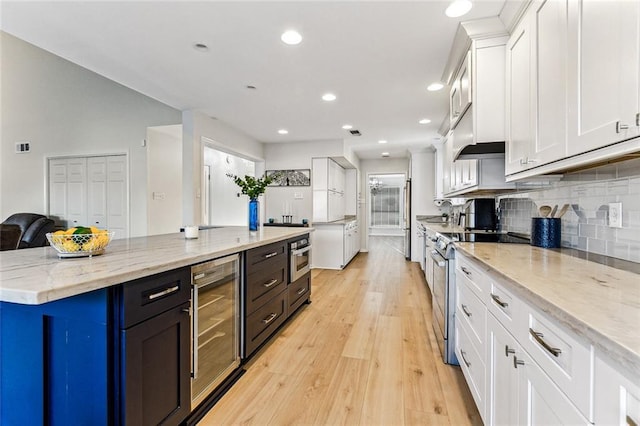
pixel 201 47
pixel 328 97
pixel 347 127
pixel 382 141
pixel 385 154
pixel 424 121
pixel 291 37
pixel 458 8
pixel 434 87
pixel 283 131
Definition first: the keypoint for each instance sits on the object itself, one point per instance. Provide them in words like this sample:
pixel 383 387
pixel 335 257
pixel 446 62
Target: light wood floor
pixel 363 353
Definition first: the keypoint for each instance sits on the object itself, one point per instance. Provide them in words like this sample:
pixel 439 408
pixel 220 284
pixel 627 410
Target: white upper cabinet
pixel 460 94
pixel 573 85
pixel 604 58
pixel 536 87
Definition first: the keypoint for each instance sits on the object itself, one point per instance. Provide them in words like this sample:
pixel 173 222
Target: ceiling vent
pixel 355 132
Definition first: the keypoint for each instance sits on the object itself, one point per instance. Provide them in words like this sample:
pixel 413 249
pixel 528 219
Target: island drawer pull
pixel 270 318
pixel 267 256
pixel 499 301
pixel 270 283
pixel 302 290
pixel 539 338
pixel 164 292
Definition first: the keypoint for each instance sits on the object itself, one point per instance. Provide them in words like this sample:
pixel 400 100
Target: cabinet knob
pixel 620 126
pixel 508 350
pixel 517 362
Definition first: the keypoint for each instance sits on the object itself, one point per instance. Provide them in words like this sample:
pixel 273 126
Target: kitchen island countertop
pixel 597 302
pixel 35 276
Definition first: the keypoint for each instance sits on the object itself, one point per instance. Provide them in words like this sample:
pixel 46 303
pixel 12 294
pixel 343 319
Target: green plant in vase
pixel 252 187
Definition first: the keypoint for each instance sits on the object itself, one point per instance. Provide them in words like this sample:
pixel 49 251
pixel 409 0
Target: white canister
pixel 191 232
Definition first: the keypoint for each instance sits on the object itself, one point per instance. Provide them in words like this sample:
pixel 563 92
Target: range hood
pixel 481 150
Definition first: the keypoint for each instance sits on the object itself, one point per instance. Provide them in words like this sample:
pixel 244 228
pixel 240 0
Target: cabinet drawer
pixel 472 312
pixel 299 292
pixel 476 280
pixel 505 307
pixel 264 283
pixel 149 296
pixel 271 252
pixel 473 366
pixel 264 321
pixel 567 361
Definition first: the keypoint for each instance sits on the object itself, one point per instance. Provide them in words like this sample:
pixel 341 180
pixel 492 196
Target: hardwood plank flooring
pixel 363 353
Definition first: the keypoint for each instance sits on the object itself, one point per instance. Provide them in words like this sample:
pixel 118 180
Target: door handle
pixel 499 301
pixel 267 256
pixel 464 309
pixel 164 292
pixel 620 127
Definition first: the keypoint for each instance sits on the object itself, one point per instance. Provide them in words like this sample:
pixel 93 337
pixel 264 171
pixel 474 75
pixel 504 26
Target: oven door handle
pixel 301 251
pixel 438 259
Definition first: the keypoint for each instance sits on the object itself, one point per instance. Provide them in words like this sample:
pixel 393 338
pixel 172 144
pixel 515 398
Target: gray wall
pixel 589 193
pixel 64 109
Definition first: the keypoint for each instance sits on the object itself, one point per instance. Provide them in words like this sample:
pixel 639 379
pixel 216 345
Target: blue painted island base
pixel 55 363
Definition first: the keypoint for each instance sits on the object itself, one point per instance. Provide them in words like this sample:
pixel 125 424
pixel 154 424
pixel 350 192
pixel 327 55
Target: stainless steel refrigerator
pixel 407 219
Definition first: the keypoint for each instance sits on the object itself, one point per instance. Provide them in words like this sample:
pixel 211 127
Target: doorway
pixel 386 209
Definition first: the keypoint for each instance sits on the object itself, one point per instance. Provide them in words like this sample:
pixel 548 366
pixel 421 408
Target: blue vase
pixel 254 215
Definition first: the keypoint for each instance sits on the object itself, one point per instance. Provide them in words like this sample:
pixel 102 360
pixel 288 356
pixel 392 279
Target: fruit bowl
pixel 79 245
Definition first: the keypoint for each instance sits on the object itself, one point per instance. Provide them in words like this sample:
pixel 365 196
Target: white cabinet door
pixel 58 189
pixel 541 402
pixel 503 378
pixel 604 47
pixel 76 192
pixel 97 192
pixel 519 99
pixel 117 196
pixel 320 170
pixel 336 177
pixel 617 396
pixel 550 34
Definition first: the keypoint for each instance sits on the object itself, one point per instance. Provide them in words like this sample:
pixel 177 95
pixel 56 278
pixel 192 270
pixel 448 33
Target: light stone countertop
pixel 35 276
pixel 597 302
pixel 442 226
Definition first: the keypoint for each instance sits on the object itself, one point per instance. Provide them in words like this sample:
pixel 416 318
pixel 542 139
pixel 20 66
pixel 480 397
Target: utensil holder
pixel 546 232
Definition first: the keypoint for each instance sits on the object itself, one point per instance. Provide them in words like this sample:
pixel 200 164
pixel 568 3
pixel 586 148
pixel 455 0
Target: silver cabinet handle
pixel 539 338
pixel 517 362
pixel 638 119
pixel 270 318
pixel 499 301
pixel 464 309
pixel 270 283
pixel 465 359
pixel 620 127
pixel 527 160
pixel 508 350
pixel 301 291
pixel 266 256
pixel 164 292
pixel 465 270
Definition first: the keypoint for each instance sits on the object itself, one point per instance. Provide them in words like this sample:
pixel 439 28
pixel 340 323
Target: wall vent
pixel 355 132
pixel 23 147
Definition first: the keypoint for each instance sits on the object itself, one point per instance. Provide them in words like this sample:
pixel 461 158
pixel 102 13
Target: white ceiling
pixel 377 57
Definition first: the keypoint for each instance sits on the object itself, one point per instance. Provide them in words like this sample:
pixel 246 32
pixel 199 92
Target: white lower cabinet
pixel 334 244
pixel 521 367
pixel 617 394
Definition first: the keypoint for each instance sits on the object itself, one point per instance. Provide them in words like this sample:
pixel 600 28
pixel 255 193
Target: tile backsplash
pixel 588 193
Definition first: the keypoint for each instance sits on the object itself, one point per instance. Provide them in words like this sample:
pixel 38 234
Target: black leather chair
pixel 9 237
pixel 34 228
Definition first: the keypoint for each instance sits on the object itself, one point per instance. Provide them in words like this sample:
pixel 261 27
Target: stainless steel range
pixel 444 282
pixel 443 296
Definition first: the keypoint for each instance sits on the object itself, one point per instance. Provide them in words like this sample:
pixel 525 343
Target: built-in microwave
pixel 299 258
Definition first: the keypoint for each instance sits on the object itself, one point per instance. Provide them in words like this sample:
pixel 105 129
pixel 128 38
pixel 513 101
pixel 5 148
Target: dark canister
pixel 546 232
